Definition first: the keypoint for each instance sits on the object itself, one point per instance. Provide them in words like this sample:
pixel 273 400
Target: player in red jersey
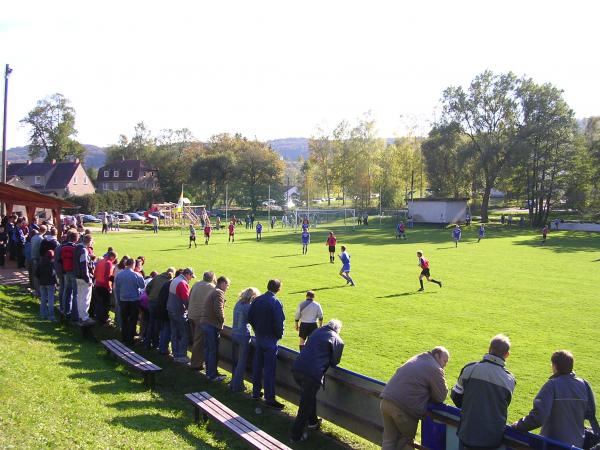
pixel 544 234
pixel 331 241
pixel 207 231
pixel 424 265
pixel 231 231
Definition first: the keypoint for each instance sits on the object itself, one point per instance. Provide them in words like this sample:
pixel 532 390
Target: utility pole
pixel 7 72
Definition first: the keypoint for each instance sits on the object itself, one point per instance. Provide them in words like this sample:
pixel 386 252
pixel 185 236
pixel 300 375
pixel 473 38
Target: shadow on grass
pixel 407 293
pixel 107 378
pixel 308 265
pixel 565 242
pixel 326 288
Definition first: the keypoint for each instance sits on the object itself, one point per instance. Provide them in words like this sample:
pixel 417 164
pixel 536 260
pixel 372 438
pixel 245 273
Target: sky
pixel 276 69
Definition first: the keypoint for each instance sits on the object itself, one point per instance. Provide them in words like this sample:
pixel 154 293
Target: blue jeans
pixel 239 356
pixel 47 301
pixel 69 300
pixel 164 336
pixel 265 362
pixel 179 335
pixel 211 349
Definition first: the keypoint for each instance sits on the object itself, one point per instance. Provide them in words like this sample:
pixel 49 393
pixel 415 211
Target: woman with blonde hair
pixel 240 334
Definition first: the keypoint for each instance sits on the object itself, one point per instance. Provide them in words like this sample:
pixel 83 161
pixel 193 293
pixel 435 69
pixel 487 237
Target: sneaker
pixel 315 426
pixel 198 369
pixel 182 359
pixel 257 397
pixel 421 289
pixel 218 378
pixel 274 404
pixel 302 438
pixel 440 284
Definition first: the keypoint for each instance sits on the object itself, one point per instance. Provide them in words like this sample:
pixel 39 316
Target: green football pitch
pixel 544 297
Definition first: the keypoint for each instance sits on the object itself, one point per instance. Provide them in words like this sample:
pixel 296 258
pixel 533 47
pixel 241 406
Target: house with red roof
pixel 61 179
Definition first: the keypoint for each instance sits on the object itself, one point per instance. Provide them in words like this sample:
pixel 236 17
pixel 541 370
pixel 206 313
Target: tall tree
pixel 446 154
pixel 488 114
pixel 258 166
pixel 322 157
pixel 141 146
pixel 546 145
pixel 211 173
pixel 52 124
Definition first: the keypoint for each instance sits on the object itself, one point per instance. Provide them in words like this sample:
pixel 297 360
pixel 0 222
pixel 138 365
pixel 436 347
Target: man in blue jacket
pixel 562 405
pixel 267 318
pixel 324 349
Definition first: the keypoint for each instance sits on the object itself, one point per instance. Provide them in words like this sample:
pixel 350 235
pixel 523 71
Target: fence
pixel 351 401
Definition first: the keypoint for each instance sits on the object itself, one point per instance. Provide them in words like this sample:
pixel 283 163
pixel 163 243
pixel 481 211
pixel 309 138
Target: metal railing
pixel 351 401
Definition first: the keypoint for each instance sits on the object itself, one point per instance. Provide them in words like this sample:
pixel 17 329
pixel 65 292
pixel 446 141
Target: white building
pixel 438 210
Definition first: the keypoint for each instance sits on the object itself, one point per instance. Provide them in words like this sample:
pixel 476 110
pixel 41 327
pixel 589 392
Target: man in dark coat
pixel 324 349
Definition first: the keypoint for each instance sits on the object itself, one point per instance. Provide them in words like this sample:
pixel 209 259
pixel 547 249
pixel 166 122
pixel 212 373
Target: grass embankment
pixel 57 391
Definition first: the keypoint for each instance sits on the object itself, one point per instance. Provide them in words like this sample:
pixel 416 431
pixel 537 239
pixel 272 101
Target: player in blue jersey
pixel 305 241
pixel 259 231
pixel 481 232
pixel 456 235
pixel 345 271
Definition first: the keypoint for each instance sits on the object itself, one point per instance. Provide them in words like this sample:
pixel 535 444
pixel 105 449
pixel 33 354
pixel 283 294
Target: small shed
pixel 438 210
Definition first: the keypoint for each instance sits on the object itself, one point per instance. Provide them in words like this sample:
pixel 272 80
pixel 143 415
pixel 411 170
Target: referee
pixel 307 315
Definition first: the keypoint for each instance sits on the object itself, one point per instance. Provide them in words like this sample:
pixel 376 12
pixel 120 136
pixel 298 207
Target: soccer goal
pixel 323 217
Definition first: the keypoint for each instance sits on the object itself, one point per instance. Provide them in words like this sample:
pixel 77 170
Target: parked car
pixel 122 218
pixel 88 218
pixel 135 216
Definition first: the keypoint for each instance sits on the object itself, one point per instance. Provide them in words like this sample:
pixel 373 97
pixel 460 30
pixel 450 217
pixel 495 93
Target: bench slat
pixel 234 421
pixel 234 425
pixel 128 356
pixel 259 434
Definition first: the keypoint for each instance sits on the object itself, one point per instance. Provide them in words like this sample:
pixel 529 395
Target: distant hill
pixel 290 148
pixel 94 156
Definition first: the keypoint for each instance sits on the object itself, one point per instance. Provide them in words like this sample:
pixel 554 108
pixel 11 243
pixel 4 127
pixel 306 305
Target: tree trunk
pixel 485 201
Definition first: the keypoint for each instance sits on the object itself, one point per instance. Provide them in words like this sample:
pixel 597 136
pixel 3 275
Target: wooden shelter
pixel 12 195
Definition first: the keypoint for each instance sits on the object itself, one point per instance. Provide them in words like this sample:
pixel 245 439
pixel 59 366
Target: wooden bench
pixel 210 406
pixel 133 360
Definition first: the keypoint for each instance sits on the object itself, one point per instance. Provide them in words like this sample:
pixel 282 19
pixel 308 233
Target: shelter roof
pixel 18 196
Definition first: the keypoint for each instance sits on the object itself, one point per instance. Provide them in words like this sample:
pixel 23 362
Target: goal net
pixel 324 217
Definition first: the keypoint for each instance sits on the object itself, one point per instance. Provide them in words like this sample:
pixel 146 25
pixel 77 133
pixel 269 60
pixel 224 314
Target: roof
pixel 17 196
pixel 135 165
pixel 62 174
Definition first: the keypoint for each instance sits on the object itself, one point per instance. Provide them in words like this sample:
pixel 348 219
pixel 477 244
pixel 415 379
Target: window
pixel 106 173
pixel 105 186
pixel 116 186
pixel 38 179
pixel 116 173
pixel 85 180
pixel 129 173
pixel 75 179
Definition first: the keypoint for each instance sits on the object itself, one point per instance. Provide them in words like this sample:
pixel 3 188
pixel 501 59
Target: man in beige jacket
pixel 200 292
pixel 404 399
pixel 213 318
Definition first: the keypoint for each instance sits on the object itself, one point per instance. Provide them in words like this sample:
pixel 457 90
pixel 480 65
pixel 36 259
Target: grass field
pixel 543 297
